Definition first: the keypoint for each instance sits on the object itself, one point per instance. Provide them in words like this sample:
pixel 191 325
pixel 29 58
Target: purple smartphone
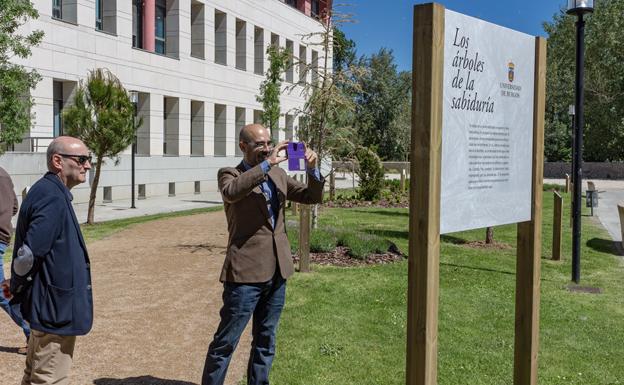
pixel 296 156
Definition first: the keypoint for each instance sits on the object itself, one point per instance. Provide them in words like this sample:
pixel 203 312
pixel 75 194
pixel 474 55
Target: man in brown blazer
pixel 258 260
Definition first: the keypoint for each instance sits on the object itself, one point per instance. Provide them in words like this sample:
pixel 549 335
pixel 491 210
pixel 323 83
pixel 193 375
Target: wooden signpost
pixel 511 81
pixel 557 224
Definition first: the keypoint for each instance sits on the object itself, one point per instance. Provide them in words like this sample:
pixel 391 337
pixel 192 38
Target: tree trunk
pixel 489 235
pixel 332 186
pixel 94 186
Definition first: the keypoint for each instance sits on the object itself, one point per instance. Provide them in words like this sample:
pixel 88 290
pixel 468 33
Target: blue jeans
pixel 12 311
pixel 265 301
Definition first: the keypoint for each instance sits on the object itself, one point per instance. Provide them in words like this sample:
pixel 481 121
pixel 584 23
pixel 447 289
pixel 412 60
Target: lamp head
pixel 580 7
pixel 134 96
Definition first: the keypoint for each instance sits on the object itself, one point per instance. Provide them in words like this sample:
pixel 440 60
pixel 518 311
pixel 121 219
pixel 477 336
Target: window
pixel 197 30
pixel 106 16
pixel 241 45
pixel 292 3
pixel 197 128
pixel 314 67
pixel 258 51
pixel 316 8
pixel 303 66
pixel 65 10
pixel 240 123
pixel 137 23
pixel 171 126
pixel 62 93
pixel 161 27
pixel 220 130
pixel 57 9
pixel 289 64
pixel 220 37
pixel 99 22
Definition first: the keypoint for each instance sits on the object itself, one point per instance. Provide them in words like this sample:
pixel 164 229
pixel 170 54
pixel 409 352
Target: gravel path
pixel 157 298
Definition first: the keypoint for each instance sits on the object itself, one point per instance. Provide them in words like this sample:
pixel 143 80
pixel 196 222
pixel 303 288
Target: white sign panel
pixel 487 132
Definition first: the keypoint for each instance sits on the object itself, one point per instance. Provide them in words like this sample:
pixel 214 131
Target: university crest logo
pixel 510 74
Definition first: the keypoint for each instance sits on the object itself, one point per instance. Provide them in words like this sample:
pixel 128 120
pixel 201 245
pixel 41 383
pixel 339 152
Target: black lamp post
pixel 578 8
pixel 134 97
pixel 571 114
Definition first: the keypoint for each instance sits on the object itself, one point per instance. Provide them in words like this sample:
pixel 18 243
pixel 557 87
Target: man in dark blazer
pixel 258 260
pixel 59 304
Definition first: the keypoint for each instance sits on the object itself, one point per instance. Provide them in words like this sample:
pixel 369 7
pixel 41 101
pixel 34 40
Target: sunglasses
pixel 260 145
pixel 80 159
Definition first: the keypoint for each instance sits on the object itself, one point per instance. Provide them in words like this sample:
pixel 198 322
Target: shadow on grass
pixel 388 233
pixel 142 380
pixel 385 212
pixel 478 268
pixel 405 235
pixel 603 245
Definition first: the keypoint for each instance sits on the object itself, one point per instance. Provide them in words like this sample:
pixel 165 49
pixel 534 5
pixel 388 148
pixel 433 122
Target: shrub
pixel 371 174
pixel 361 245
pixel 323 240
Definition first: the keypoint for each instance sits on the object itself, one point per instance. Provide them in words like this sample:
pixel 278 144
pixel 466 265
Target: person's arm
pixel 47 217
pixel 235 186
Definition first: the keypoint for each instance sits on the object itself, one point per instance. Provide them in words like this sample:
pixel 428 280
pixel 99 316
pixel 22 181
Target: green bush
pixel 323 240
pixel 371 174
pixel 361 245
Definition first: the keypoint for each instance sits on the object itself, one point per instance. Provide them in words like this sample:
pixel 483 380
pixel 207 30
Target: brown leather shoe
pixel 23 350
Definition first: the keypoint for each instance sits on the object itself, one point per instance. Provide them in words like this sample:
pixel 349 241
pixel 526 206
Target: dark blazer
pixel 60 299
pixel 255 248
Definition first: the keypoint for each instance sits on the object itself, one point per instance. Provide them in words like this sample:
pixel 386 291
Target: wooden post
pixel 621 212
pixel 402 180
pixel 424 224
pixel 332 186
pixel 304 239
pixel 567 183
pixel 557 223
pixel 529 245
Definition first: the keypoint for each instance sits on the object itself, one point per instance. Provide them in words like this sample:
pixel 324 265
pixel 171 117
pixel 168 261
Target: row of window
pixel 161 35
pixel 171 123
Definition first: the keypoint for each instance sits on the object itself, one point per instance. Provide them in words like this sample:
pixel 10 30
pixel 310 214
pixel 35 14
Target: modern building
pixel 196 65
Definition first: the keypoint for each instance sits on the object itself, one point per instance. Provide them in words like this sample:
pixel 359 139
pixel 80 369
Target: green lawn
pixel 347 326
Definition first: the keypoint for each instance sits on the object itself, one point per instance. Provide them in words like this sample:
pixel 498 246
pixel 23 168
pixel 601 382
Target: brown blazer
pixel 254 246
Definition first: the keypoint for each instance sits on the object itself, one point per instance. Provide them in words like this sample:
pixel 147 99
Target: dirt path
pixel 157 298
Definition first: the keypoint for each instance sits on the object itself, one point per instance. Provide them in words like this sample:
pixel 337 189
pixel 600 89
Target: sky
pixel 388 23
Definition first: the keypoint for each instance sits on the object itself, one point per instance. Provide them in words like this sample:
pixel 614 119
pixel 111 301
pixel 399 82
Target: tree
pixel 15 80
pixel 271 88
pixel 383 106
pixel 604 84
pixel 343 51
pixel 102 116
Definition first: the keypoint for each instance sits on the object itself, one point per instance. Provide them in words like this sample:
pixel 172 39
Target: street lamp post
pixel 571 114
pixel 578 8
pixel 134 97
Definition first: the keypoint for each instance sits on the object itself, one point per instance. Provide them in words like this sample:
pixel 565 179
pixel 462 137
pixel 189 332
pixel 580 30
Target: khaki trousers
pixel 49 359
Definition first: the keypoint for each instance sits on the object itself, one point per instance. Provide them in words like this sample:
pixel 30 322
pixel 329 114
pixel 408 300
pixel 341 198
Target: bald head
pixel 63 145
pixel 249 132
pixel 69 159
pixel 255 143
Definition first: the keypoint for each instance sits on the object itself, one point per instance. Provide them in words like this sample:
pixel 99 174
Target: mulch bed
pixel 382 203
pixel 339 257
